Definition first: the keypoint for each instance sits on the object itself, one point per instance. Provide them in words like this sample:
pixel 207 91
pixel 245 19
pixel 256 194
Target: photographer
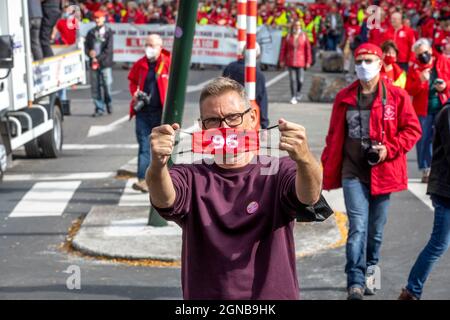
pixel 428 82
pixel 149 79
pixel 99 48
pixel 373 125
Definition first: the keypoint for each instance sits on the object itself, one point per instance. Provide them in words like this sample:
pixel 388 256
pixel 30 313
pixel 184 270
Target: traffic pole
pixel 250 56
pixel 178 76
pixel 242 24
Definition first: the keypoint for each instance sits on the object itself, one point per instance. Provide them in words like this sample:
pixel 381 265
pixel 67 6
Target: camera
pixel 371 154
pixel 141 100
pixel 439 81
pixel 95 65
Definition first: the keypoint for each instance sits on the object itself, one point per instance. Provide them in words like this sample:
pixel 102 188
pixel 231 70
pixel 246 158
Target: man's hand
pixel 440 87
pixel 382 152
pixel 92 54
pixel 293 140
pixel 162 141
pixel 425 75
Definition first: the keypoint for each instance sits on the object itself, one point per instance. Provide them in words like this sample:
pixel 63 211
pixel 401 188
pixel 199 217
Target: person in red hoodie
pixel 134 15
pixel 296 54
pixel 426 24
pixel 372 127
pixel 149 77
pixel 428 82
pixel 404 39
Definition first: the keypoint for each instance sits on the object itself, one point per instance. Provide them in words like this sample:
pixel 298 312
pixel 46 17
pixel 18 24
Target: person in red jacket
pixel 372 127
pixel 404 39
pixel 428 82
pixel 296 55
pixel 134 15
pixel 426 24
pixel 148 82
pixel 390 71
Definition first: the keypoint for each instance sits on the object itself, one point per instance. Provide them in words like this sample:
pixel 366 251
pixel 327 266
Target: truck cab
pixel 31 113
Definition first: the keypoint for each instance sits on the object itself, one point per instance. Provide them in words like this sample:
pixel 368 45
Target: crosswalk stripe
pixel 133 198
pixel 419 189
pixel 46 199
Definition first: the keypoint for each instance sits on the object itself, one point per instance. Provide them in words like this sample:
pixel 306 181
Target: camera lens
pixel 373 157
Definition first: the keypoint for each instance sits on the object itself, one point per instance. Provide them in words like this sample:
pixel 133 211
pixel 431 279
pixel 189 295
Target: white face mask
pixel 150 52
pixel 367 72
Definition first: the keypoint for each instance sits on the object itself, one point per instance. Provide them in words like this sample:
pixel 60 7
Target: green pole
pixel 179 69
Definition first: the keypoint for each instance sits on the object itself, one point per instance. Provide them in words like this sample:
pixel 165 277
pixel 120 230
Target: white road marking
pixel 197 87
pixel 59 176
pixel 276 79
pixel 335 199
pixel 46 199
pixel 71 147
pixel 98 130
pixel 419 189
pixel 133 198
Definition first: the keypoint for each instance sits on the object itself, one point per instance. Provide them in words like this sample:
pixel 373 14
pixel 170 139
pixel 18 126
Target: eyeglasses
pixel 367 61
pixel 232 120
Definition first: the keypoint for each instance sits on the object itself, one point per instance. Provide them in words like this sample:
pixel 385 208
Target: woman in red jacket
pixel 373 125
pixel 296 55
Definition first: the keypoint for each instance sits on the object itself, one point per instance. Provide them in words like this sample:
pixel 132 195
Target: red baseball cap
pixel 99 14
pixel 369 48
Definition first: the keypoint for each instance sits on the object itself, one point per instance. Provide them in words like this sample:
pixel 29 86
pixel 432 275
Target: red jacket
pixel 404 38
pixel 419 90
pixel 402 132
pixel 426 29
pixel 138 74
pixel 296 54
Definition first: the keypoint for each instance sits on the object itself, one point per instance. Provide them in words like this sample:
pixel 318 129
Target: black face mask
pixel 424 57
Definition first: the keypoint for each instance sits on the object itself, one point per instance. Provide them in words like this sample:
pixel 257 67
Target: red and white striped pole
pixel 250 53
pixel 242 24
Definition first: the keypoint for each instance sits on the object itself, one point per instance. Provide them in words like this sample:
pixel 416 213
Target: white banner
pixel 212 44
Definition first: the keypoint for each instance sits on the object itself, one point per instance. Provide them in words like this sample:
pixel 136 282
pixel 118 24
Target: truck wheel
pixel 32 149
pixel 51 141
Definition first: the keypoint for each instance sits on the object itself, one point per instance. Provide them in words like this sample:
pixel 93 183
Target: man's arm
pixel 308 180
pixel 161 188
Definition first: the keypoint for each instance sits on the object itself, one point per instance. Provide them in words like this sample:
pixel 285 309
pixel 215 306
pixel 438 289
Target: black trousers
pixel 51 14
pixel 35 29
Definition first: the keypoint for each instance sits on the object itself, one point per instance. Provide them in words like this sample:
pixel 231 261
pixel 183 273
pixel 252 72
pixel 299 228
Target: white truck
pixel 31 113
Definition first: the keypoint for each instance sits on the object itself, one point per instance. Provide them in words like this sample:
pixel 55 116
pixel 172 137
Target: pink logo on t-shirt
pixel 252 207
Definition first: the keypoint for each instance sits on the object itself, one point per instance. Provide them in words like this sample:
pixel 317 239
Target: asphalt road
pixel 32 264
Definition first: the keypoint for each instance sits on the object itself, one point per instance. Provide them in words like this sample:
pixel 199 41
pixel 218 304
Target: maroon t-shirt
pixel 237 227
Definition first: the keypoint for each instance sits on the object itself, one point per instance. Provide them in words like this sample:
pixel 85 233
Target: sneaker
pixel 299 97
pixel 355 293
pixel 109 108
pixel 141 185
pixel 370 289
pixel 406 295
pixel 293 100
pixel 97 114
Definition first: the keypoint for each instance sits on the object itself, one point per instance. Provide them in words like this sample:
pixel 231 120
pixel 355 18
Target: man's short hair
pixel 221 85
pixel 421 42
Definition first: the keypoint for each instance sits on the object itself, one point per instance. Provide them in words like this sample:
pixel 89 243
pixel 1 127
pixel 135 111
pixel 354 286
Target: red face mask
pixel 389 59
pixel 225 141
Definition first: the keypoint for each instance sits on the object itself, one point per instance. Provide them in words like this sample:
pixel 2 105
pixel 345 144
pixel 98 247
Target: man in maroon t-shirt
pixel 237 216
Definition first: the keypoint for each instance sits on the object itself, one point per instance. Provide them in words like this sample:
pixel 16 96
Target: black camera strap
pixel 383 104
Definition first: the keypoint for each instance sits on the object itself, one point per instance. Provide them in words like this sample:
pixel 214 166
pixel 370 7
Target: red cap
pixel 369 48
pixel 99 14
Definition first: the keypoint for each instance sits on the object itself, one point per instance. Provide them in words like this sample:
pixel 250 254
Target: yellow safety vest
pixel 282 21
pixel 203 21
pixel 309 31
pixel 317 20
pixel 361 15
pixel 401 80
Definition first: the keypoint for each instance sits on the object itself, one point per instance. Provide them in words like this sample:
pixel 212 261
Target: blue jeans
pixel 435 248
pixel 367 216
pixel 145 122
pixel 332 41
pixel 424 145
pixel 101 81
